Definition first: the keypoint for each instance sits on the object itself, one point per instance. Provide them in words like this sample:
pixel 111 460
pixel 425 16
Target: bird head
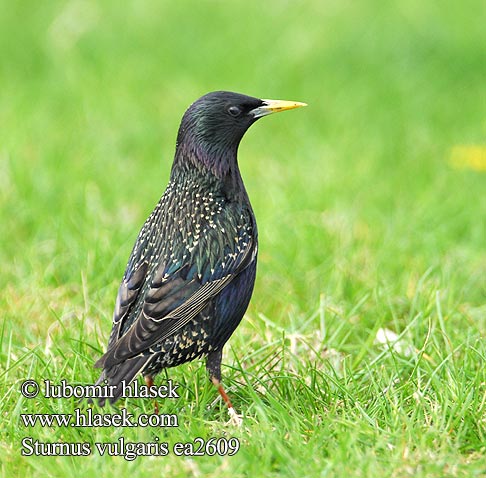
pixel 212 127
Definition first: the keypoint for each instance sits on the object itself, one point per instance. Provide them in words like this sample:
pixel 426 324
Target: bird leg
pixel 149 380
pixel 213 366
pixel 221 391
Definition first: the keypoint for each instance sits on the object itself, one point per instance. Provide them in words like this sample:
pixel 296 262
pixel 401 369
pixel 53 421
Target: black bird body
pixel 190 276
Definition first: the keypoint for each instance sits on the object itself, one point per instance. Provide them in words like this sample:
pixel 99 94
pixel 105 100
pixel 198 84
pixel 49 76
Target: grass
pixel 369 220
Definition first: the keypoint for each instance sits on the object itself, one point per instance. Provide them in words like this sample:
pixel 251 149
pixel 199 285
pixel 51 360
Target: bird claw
pixel 235 419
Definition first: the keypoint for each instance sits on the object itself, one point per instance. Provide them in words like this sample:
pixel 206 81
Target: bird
pixel 191 272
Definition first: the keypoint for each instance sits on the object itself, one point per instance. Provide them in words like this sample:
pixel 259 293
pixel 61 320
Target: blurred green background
pixel 371 202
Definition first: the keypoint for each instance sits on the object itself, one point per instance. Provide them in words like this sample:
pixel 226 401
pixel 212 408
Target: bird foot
pixel 235 420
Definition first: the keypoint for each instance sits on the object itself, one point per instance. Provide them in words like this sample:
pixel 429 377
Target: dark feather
pixel 217 247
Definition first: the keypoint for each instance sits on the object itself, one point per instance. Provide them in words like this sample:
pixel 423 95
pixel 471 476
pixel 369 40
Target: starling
pixel 191 272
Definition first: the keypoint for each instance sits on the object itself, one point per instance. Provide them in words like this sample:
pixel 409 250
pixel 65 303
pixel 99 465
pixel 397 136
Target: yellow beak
pixel 275 106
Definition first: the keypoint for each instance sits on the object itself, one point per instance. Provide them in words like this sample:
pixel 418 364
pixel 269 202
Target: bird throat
pixel 212 163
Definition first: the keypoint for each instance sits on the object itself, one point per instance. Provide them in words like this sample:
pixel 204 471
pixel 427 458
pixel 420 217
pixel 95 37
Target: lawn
pixel 362 352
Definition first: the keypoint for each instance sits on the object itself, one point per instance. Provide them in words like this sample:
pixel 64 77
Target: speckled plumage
pixel 191 272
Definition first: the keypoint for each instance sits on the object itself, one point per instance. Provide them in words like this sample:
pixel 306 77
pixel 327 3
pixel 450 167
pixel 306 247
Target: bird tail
pixel 126 372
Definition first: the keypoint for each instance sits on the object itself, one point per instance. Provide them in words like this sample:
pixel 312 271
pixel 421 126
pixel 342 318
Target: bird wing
pixel 154 303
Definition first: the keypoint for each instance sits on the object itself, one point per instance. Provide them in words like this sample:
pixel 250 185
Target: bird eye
pixel 234 111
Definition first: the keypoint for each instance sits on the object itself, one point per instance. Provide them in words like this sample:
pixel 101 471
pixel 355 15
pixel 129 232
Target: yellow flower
pixel 469 157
